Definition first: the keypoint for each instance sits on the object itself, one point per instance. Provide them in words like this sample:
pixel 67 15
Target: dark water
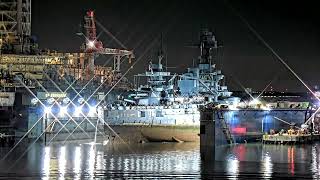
pixel 164 160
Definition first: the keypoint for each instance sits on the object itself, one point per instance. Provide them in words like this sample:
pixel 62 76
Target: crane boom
pixel 94 46
pixel 111 51
pixel 118 54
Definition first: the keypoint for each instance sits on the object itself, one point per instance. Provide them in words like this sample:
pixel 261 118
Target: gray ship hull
pixel 137 133
pixel 244 125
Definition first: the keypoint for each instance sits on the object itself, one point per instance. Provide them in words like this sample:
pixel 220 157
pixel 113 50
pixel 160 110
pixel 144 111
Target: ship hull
pixel 244 125
pixel 134 133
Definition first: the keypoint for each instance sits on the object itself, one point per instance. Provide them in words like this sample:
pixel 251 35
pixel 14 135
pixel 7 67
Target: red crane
pixel 93 45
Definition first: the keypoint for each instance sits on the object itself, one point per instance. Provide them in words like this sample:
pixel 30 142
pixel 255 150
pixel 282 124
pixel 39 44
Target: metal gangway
pixel 225 127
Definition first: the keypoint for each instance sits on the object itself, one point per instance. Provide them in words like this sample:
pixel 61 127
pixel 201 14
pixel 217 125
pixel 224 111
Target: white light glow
pixel 62 162
pixel 315 166
pixel 266 108
pixel 105 142
pixel 91 160
pixel 77 162
pixel 100 113
pixel 80 100
pixel 254 102
pixel 50 100
pixel 46 163
pixel 267 166
pixel 100 165
pixel 233 107
pixel 92 111
pixel 63 110
pixel 232 167
pixel 78 111
pixel 66 100
pixel 91 44
pixel 34 101
pixel 47 110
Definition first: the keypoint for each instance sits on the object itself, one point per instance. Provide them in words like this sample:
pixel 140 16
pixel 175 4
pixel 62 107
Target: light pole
pixel 45 119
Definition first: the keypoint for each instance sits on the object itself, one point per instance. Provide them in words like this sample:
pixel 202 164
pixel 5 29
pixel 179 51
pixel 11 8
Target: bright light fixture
pixel 78 111
pixel 47 110
pixel 254 102
pixel 266 108
pixel 66 100
pixel 105 142
pixel 81 100
pixel 50 100
pixel 233 107
pixel 92 111
pixel 91 44
pixel 63 110
pixel 34 101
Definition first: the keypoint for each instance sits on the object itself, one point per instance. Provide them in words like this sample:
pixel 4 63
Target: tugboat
pixel 165 111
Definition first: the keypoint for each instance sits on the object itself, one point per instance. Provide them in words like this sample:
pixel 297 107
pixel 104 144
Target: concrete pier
pixel 207 134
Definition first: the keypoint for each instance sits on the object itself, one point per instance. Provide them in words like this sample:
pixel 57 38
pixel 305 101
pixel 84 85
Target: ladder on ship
pixel 225 127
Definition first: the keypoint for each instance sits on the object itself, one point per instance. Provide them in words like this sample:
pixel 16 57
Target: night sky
pixel 290 28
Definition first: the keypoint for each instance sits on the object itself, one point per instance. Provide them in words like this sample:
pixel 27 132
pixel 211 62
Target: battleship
pixel 166 108
pixel 161 110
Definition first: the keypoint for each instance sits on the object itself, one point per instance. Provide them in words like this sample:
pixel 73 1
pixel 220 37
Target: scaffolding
pixel 15 25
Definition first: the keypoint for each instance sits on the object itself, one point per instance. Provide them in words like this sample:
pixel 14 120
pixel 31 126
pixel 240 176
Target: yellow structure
pixel 34 67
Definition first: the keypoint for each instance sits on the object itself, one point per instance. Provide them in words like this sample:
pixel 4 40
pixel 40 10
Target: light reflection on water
pixel 62 162
pixel 46 163
pixel 266 167
pixel 77 162
pixel 232 167
pixel 315 162
pixel 89 161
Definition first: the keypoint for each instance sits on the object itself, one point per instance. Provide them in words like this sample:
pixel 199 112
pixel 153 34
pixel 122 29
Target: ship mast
pixel 160 51
pixel 207 43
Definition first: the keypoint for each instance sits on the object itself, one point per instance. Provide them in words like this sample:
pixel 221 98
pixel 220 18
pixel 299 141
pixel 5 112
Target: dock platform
pixel 287 139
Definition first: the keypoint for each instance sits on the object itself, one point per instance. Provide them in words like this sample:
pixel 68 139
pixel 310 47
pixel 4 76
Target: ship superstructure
pixel 159 89
pixel 204 79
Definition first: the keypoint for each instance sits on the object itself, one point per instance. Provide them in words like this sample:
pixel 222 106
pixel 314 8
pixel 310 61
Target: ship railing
pixel 158 107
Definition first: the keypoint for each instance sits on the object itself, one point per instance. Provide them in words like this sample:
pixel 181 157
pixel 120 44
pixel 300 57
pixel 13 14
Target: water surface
pixel 160 160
